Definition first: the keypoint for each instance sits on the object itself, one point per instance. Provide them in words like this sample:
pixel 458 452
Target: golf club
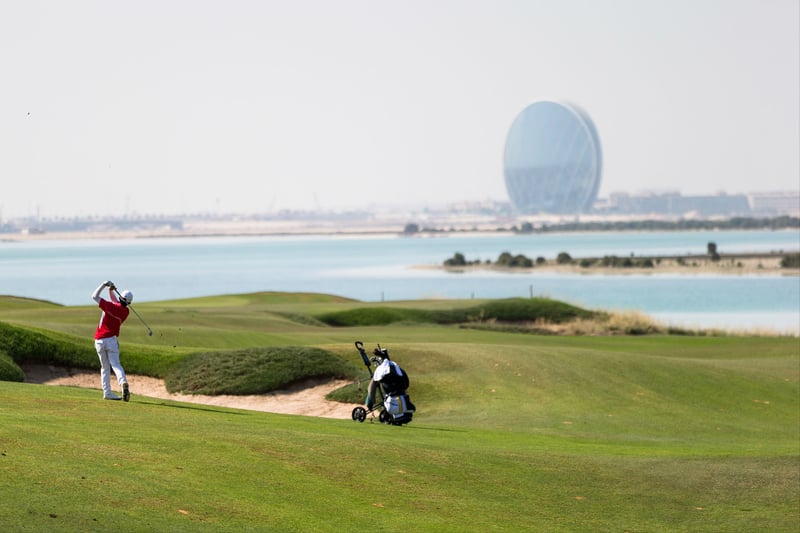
pixel 149 331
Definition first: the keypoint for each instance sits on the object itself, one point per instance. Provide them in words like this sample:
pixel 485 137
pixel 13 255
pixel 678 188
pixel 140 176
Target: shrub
pixel 521 261
pixel 563 258
pixel 9 371
pixel 458 259
pixel 791 261
pixel 504 259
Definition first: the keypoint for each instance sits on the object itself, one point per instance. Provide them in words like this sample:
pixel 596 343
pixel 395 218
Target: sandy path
pixel 302 400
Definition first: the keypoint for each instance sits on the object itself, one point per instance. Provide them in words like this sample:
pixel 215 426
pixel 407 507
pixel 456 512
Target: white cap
pixel 126 296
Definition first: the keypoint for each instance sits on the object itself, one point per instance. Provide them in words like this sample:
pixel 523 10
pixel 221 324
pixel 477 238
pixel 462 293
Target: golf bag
pixel 391 401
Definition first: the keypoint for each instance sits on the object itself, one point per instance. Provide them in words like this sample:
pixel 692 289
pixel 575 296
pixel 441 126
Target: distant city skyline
pixel 259 106
pixel 631 205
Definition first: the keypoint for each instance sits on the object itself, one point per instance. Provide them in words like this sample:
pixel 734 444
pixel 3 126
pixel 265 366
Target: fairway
pixel 514 432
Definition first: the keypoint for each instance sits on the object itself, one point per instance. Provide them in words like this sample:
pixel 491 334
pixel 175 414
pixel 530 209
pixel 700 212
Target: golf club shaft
pixel 149 331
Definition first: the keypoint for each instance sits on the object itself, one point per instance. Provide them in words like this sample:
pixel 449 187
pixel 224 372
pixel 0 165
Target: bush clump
pixel 9 371
pixel 458 259
pixel 790 261
pixel 515 261
pixel 563 258
pixel 626 262
pixel 255 370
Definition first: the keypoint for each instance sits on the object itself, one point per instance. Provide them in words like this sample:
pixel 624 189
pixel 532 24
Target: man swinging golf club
pixel 114 314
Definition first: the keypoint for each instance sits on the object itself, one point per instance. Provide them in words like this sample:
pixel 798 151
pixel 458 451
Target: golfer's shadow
pixel 192 407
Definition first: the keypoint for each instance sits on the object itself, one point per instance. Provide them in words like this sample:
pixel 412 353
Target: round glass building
pixel 552 161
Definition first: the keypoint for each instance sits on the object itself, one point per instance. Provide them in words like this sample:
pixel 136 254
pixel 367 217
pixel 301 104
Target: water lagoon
pixel 388 268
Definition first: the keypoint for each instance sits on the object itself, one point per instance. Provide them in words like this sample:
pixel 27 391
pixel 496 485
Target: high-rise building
pixel 553 160
pixel 775 203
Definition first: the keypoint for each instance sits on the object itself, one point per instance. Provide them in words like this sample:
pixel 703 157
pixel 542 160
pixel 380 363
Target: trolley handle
pixel 364 356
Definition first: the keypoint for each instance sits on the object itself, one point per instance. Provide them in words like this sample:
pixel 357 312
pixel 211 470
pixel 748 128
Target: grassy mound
pixel 32 345
pixel 375 316
pixel 40 346
pixel 512 310
pixel 531 310
pixel 254 370
pixel 354 392
pixel 9 371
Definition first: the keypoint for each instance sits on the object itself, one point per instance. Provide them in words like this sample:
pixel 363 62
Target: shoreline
pixel 746 264
pixel 381 227
pixel 761 264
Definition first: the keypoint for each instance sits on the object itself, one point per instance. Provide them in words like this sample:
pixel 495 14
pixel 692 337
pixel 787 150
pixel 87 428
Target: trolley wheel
pixel 359 414
pixel 385 417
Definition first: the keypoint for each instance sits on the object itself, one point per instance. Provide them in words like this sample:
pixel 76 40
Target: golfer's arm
pixel 96 293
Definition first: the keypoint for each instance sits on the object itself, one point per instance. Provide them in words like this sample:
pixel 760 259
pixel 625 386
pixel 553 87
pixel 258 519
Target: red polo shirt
pixel 112 318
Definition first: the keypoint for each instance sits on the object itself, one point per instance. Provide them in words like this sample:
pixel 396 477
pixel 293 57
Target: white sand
pixel 306 400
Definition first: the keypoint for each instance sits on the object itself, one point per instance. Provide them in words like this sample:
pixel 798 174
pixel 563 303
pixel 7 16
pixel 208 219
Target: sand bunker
pixel 308 400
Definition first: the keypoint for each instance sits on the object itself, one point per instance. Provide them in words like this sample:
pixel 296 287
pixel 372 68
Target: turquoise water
pixel 384 268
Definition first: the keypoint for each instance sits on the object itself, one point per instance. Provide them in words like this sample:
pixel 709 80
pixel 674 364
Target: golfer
pixel 114 314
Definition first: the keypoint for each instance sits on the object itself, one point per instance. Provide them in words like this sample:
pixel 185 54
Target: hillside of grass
pixel 513 431
pixel 514 310
pixel 243 361
pixel 255 370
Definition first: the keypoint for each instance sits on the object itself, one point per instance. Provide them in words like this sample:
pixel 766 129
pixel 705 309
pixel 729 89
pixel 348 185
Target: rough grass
pixel 255 370
pixel 9 370
pixel 33 345
pixel 510 310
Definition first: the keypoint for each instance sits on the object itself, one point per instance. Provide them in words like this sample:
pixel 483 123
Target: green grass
pixel 255 371
pixel 508 310
pixel 513 431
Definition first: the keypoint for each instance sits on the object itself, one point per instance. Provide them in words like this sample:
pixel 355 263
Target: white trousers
pixel 108 351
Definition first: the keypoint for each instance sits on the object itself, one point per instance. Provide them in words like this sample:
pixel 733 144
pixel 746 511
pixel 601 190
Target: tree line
pixel 735 223
pixel 507 259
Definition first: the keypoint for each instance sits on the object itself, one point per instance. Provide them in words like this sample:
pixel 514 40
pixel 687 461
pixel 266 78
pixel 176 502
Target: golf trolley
pixel 392 403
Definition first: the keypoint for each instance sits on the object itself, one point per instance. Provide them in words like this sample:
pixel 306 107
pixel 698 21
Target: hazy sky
pixel 191 106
